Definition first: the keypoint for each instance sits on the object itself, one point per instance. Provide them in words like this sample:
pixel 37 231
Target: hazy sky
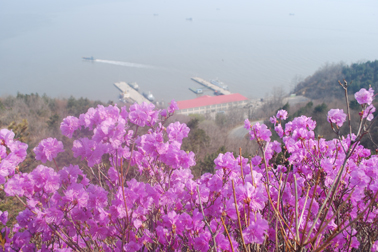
pixel 252 46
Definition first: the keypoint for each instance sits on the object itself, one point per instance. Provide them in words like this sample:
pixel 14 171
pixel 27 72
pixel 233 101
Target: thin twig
pixel 228 235
pixel 345 87
pixel 241 165
pixel 237 212
pixel 309 208
pixel 204 219
pixel 280 218
pixel 296 209
pixel 304 207
pixel 321 227
pixel 253 179
pixel 328 241
pixel 330 195
pixel 132 150
pixel 57 168
pixel 278 209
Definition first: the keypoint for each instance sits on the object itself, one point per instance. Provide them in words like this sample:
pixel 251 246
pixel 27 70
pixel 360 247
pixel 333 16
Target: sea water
pixel 251 46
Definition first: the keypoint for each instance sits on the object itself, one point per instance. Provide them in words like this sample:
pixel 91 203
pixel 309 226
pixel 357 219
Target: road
pixel 292 100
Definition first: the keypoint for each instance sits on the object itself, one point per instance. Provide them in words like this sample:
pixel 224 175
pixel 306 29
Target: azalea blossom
pixel 133 188
pixel 48 149
pixel 336 116
pixel 364 96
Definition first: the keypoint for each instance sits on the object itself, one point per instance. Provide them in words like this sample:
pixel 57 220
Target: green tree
pixel 53 121
pixel 321 108
pixel 221 120
pixel 20 130
pixel 302 111
pixel 197 138
pixel 354 105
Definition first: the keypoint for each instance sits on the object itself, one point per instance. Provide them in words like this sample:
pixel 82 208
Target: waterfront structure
pixel 218 88
pixel 129 94
pixel 212 104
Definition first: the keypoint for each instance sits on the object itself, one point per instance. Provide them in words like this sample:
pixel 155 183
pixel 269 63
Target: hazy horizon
pixel 252 46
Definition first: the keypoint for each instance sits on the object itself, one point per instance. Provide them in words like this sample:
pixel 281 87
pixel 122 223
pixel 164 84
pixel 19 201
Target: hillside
pixel 323 83
pixel 33 117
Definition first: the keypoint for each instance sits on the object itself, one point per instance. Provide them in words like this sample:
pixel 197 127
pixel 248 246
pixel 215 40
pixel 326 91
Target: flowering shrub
pixel 302 194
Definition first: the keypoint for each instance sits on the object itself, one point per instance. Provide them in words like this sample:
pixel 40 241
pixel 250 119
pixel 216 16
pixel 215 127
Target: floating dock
pixel 196 90
pixel 211 86
pixel 129 94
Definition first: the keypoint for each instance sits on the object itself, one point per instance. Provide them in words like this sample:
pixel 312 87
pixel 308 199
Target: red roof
pixel 210 100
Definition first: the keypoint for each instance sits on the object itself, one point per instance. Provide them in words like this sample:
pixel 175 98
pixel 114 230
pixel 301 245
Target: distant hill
pixel 324 82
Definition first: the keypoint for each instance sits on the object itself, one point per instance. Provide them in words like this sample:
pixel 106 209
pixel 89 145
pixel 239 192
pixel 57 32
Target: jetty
pixel 211 86
pixel 129 94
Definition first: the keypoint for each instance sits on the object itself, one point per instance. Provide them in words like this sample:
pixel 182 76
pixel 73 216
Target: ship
pixel 219 84
pixel 196 91
pixel 134 85
pixel 149 96
pixel 88 58
pixel 217 92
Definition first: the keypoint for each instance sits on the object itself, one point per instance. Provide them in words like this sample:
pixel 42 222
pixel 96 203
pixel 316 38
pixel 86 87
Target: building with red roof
pixel 207 104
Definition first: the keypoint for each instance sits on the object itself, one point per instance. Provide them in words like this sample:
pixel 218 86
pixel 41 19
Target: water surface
pixel 252 46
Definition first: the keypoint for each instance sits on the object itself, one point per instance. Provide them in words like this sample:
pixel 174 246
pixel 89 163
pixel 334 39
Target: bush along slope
pixel 301 193
pixel 321 84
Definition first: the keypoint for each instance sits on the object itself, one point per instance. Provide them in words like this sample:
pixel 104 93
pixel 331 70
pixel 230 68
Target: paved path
pixel 292 100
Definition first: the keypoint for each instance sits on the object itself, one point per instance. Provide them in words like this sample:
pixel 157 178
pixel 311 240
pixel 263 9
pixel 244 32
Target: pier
pixel 129 94
pixel 211 86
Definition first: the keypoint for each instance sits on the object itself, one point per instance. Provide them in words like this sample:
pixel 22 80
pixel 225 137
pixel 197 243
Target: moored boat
pixel 219 84
pixel 134 85
pixel 149 96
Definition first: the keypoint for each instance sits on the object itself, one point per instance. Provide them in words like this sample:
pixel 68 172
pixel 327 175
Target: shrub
pixel 301 194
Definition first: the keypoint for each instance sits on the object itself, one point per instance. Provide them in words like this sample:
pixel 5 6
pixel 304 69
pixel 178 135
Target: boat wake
pixel 121 63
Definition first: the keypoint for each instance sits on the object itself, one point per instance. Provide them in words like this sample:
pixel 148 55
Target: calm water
pixel 252 46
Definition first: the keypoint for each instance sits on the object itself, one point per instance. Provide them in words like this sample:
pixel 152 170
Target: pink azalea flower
pixel 282 114
pixel 201 243
pixel 260 132
pixel 69 125
pixel 7 136
pixel 177 131
pixel 48 149
pixel 336 116
pixel 256 231
pixel 279 130
pixel 364 96
pixel 172 107
pixel 247 124
pixel 163 113
pixel 375 246
pixel 368 112
pixel 273 120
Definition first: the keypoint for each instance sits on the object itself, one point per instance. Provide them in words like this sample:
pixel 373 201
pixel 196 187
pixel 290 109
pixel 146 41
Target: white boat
pixel 89 58
pixel 149 96
pixel 134 85
pixel 219 84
